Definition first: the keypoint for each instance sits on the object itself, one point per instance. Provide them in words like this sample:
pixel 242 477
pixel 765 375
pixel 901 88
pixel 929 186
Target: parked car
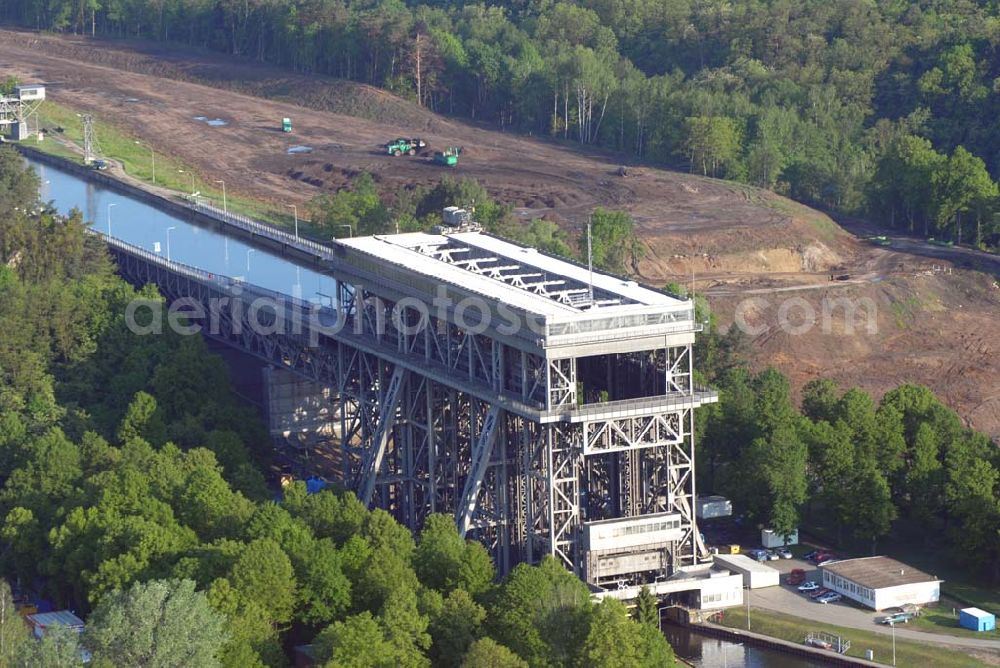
pixel 796 577
pixel 820 592
pixel 772 556
pixel 759 555
pixel 809 555
pixel 897 618
pixel 784 553
pixel 829 597
pixel 823 558
pixel 808 586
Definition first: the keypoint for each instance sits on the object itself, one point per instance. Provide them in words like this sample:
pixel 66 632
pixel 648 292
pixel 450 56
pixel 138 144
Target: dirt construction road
pixel 757 255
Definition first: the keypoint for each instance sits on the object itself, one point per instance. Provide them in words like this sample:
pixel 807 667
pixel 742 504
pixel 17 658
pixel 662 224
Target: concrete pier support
pixel 297 406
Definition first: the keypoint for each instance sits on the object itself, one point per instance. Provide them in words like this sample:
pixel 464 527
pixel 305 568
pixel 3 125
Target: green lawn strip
pixel 794 629
pixel 137 161
pixel 941 620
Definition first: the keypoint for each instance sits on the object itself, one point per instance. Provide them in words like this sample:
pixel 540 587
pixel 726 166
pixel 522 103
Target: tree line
pixel 131 491
pixel 817 100
pixel 359 209
pixel 862 469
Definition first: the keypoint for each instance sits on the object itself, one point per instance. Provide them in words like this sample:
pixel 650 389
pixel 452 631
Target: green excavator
pixel 448 157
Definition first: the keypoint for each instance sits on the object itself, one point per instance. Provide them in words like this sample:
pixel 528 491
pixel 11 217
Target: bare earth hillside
pixel 937 311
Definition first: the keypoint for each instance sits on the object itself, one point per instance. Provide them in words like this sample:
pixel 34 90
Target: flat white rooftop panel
pixel 410 251
pixel 743 562
pixel 405 256
pixel 628 289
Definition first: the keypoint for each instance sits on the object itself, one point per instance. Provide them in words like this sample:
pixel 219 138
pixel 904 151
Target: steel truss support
pixel 481 454
pixel 444 420
pixel 387 417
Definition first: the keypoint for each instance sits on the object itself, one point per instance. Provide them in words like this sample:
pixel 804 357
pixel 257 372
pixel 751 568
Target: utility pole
pixel 590 259
pixel 893 626
pixel 748 607
pixel 225 206
pixel 295 211
pixel 191 174
pixel 172 227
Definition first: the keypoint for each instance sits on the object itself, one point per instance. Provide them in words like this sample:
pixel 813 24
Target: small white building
pixel 771 539
pixel 721 590
pixel 29 93
pixel 700 588
pixel 881 582
pixel 755 574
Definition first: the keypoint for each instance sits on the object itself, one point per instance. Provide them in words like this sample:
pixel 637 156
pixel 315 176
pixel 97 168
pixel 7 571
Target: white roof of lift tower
pixel 519 276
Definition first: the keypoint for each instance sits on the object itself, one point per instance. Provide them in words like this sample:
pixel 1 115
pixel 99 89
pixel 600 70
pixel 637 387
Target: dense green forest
pixel 131 491
pixel 878 106
pixel 904 467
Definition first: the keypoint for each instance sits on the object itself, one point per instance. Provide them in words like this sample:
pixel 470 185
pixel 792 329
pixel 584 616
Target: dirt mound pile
pixel 925 324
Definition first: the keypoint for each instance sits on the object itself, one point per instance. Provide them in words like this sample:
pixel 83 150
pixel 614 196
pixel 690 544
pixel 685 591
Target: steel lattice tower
pixel 548 411
pixel 91 149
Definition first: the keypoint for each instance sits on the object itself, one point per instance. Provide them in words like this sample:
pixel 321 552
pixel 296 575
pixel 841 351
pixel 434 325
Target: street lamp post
pixel 225 207
pixel 295 212
pixel 748 608
pixel 659 616
pixel 893 627
pixel 172 227
pixel 252 250
pixel 152 160
pixel 321 295
pixel 109 216
pixel 191 174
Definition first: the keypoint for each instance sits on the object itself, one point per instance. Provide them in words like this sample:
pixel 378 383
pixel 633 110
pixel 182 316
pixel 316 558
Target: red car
pixel 796 577
pixel 822 558
pixel 819 592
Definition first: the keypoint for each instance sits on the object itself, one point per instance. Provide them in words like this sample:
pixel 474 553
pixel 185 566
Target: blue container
pixel 977 620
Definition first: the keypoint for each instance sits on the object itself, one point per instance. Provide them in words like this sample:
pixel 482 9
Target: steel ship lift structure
pixel 549 408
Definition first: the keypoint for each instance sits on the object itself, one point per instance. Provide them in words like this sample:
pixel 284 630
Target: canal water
pixel 177 239
pixel 706 652
pixel 147 227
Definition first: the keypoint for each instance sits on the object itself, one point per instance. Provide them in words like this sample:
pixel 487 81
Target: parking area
pixel 788 600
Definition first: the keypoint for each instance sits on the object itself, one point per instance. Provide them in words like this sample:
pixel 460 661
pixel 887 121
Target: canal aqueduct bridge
pixel 550 409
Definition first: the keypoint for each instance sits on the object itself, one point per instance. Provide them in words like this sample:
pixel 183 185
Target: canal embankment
pixel 298 248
